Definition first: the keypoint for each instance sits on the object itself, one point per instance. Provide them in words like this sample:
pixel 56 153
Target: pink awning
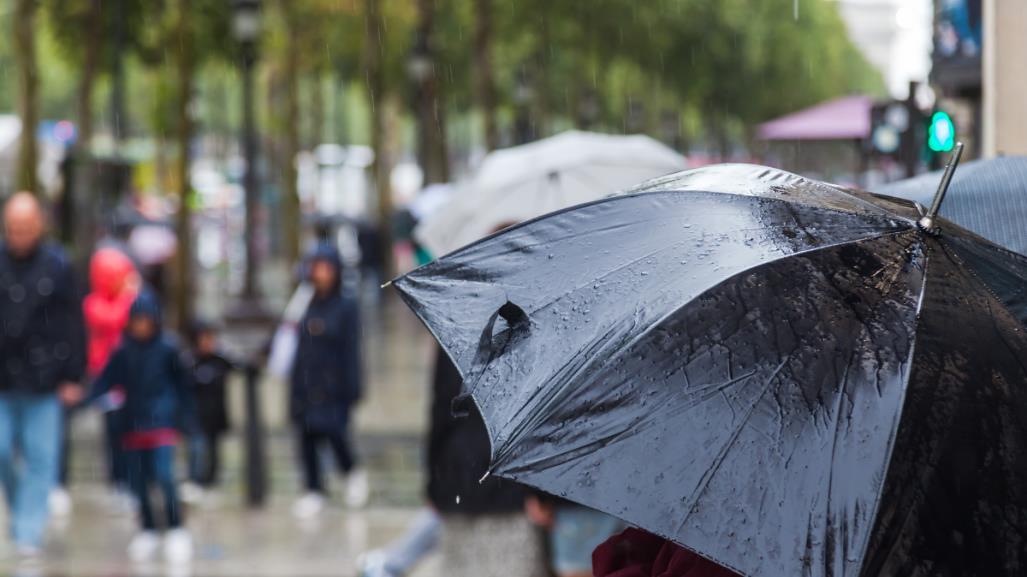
pixel 845 118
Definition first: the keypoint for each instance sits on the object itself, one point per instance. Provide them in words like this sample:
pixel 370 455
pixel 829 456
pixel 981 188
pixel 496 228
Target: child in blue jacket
pixel 148 367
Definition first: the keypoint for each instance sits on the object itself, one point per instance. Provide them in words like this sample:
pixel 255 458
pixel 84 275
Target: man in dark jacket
pixel 484 529
pixel 326 382
pixel 41 362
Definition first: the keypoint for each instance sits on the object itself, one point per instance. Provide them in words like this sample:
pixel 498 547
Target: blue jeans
pixel 576 532
pixel 420 540
pixel 30 442
pixel 154 466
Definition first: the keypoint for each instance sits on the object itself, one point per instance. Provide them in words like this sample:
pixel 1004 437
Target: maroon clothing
pixel 636 553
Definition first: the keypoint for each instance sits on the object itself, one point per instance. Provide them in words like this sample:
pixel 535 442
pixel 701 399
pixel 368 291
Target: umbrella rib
pixel 895 427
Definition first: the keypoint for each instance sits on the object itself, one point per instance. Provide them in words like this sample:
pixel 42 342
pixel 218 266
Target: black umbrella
pixel 988 197
pixel 789 378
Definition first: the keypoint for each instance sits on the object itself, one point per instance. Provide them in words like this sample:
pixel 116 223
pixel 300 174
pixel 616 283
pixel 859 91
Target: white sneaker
pixel 308 506
pixel 191 493
pixel 372 564
pixel 143 546
pixel 358 489
pixel 178 546
pixel 60 503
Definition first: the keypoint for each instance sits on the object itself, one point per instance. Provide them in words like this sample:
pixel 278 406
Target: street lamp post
pixel 249 313
pixel 246 28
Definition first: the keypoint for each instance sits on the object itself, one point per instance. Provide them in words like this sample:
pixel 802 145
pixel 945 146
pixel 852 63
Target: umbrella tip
pixel 926 223
pixel 386 285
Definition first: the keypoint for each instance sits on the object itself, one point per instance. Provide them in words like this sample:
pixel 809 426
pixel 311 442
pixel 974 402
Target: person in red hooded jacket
pixel 114 284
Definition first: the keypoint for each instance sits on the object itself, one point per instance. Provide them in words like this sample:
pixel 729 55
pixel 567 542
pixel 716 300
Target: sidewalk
pixel 229 541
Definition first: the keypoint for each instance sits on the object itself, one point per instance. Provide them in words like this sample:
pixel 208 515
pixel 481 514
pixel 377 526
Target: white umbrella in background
pixel 152 244
pixel 515 184
pixel 430 200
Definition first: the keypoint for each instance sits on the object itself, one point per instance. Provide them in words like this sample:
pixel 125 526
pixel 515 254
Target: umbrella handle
pixel 926 223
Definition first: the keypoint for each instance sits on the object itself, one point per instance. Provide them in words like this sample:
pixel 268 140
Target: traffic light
pixel 889 121
pixel 941 132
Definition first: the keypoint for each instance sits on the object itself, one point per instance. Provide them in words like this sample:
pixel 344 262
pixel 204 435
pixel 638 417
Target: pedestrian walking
pixel 114 284
pixel 326 383
pixel 158 406
pixel 485 531
pixel 209 371
pixel 41 364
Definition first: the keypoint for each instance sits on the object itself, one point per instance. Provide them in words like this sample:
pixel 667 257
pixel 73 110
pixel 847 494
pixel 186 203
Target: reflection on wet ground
pixel 229 541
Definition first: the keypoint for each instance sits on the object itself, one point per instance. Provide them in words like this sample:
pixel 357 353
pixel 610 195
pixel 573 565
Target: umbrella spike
pixel 926 223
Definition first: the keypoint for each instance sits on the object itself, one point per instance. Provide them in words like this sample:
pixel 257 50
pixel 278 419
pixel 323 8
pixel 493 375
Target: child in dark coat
pixel 148 367
pixel 209 371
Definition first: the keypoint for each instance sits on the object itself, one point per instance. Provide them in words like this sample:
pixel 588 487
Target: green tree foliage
pixel 720 65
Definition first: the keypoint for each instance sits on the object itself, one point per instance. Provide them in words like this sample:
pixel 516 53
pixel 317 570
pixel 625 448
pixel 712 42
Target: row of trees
pixel 462 73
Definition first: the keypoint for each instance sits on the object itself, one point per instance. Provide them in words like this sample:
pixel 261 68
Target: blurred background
pixel 220 139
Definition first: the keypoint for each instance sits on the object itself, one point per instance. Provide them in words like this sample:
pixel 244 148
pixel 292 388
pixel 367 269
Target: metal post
pixel 256 464
pixel 251 290
pixel 927 221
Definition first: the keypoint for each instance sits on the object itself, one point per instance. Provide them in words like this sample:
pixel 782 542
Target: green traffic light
pixel 941 134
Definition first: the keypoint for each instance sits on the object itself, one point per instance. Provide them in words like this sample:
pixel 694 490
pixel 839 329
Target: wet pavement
pixel 229 541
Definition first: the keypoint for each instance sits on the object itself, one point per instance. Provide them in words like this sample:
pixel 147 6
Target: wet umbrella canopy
pixel 789 378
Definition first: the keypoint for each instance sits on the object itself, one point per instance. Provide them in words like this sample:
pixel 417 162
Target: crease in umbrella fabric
pixel 786 377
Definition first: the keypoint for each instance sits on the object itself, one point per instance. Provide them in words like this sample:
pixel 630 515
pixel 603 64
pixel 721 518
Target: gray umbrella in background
pixel 988 197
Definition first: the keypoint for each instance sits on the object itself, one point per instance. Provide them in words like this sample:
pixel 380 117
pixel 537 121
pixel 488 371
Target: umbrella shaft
pixel 946 178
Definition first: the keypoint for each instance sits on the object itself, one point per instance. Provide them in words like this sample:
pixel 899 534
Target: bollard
pixel 256 463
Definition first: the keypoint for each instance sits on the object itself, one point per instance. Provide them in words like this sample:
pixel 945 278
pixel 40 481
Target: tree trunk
pixel 374 49
pixel 90 62
pixel 485 74
pixel 291 201
pixel 83 219
pixel 183 220
pixel 431 117
pixel 28 97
